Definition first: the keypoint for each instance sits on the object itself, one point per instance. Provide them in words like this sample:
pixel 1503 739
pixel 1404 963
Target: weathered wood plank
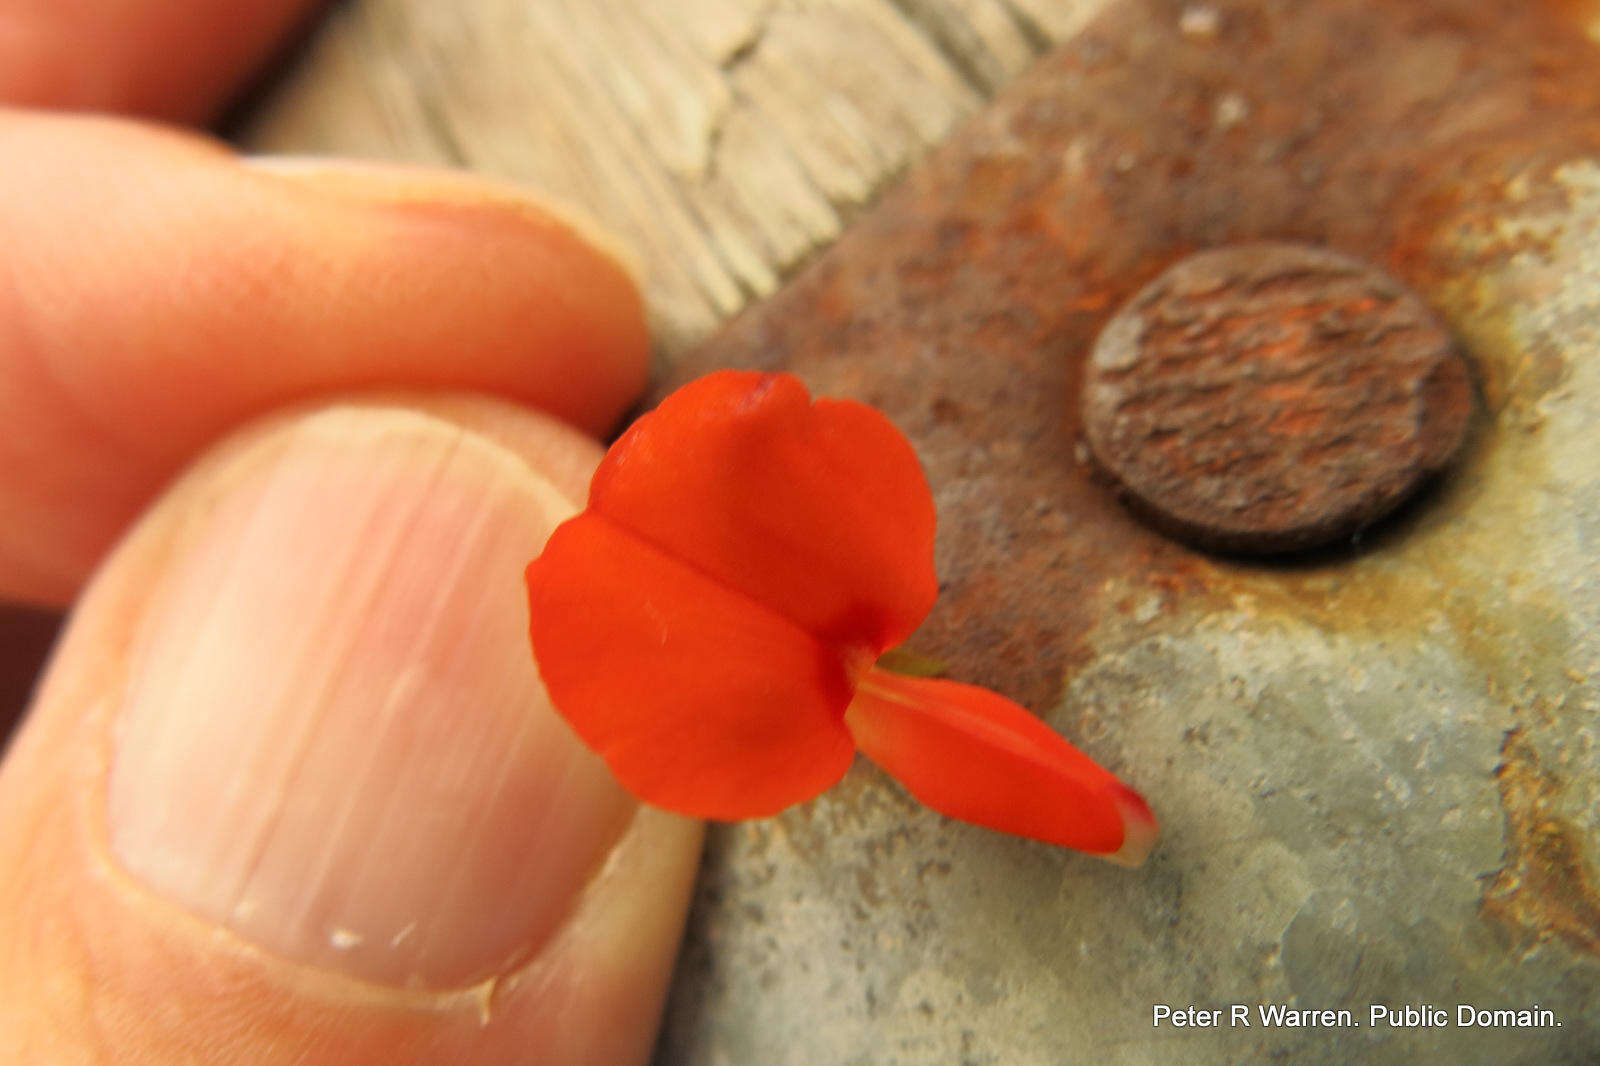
pixel 723 140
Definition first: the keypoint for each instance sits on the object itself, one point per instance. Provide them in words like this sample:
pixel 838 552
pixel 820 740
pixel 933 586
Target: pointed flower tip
pixel 1139 828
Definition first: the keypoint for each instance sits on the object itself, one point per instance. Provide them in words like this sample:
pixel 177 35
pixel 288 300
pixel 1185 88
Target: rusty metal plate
pixel 1377 768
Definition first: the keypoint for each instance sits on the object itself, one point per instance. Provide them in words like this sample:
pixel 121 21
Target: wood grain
pixel 722 140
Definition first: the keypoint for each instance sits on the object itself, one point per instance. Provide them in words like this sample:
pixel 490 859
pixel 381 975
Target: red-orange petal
pixel 819 511
pixel 701 700
pixel 974 755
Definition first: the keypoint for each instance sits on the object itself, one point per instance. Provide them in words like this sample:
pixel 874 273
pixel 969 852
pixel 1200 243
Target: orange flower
pixel 711 623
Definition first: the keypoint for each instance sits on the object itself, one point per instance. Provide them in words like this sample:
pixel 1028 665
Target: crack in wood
pixel 724 141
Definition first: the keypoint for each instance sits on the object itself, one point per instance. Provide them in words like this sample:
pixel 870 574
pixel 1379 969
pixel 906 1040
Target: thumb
pixel 291 791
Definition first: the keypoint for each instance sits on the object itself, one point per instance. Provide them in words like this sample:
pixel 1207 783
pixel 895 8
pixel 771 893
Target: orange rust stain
pixel 1545 890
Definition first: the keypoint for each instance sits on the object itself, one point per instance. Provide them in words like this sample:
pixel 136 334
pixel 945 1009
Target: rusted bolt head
pixel 1272 397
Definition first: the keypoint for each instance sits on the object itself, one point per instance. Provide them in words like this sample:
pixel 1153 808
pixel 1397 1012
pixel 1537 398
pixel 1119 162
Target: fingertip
pixel 566 264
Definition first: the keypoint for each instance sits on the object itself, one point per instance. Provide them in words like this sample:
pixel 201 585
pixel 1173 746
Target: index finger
pixel 151 57
pixel 154 293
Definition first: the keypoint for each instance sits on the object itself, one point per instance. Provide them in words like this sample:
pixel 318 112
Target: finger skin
pixel 154 293
pixel 94 968
pixel 179 61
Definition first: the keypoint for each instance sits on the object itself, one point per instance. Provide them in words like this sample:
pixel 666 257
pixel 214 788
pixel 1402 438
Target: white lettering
pixel 1528 1018
pixel 1275 1015
pixel 1408 1017
pixel 1190 1017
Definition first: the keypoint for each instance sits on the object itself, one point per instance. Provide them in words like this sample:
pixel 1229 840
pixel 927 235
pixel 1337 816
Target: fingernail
pixel 333 740
pixel 391 183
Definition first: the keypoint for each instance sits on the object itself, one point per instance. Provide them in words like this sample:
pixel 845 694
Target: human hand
pixel 290 791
